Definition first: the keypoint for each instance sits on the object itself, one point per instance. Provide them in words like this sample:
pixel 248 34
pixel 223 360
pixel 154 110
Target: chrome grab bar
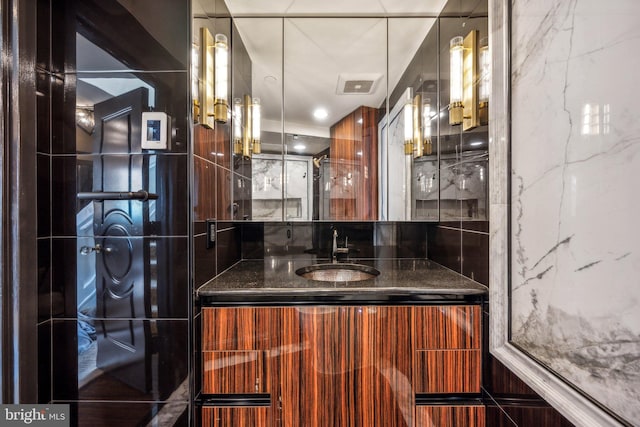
pixel 141 195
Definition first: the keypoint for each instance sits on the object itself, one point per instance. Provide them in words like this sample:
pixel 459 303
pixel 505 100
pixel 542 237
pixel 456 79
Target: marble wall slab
pixel 574 200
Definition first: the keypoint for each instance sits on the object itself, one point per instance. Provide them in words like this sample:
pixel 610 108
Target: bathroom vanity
pixel 401 348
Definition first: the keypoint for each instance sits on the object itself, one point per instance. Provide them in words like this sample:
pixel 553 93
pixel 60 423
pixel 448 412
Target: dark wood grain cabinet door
pixel 255 416
pixel 450 416
pixel 240 356
pixel 326 367
pixel 448 357
pixel 448 327
pixel 342 365
pixel 235 372
pixel 240 328
pixel 394 395
pixel 347 366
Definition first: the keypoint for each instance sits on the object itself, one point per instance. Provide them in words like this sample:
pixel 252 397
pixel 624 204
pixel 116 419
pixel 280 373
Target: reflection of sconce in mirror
pixel 246 126
pixel 484 83
pixel 195 81
pixel 455 80
pixel 417 126
pixel 85 119
pixel 214 75
pixel 463 83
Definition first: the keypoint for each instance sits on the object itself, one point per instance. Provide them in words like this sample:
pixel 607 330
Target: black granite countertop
pixel 274 280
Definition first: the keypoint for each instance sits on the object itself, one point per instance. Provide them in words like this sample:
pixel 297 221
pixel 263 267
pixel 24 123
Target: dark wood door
pixel 122 260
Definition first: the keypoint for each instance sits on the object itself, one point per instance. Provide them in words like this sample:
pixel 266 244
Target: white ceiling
pixel 334 7
pixel 318 52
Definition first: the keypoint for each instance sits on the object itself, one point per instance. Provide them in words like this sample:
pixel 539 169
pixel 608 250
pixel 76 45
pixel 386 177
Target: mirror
pixel 333 93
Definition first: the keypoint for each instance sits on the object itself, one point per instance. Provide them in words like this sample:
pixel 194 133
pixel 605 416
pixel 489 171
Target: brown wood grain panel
pixel 393 392
pixel 235 417
pixel 231 372
pixel 354 166
pixel 327 367
pixel 448 371
pixel 450 416
pixel 239 328
pixel 204 206
pixel 448 327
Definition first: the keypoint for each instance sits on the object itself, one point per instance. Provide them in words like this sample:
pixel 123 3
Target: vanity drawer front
pixel 234 372
pixel 450 416
pixel 448 371
pixel 235 416
pixel 448 327
pixel 238 328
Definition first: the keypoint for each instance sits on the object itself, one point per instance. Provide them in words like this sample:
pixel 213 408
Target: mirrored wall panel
pixel 357 118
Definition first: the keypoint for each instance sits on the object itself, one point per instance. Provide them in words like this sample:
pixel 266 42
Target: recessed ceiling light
pixel 320 113
pixel 475 143
pixel 299 147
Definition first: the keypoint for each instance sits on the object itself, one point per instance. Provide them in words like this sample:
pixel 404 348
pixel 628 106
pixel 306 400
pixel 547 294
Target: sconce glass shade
pixel 195 81
pixel 426 118
pixel 455 79
pixel 408 127
pixel 221 60
pixel 247 116
pixel 418 146
pixel 206 100
pixel 237 126
pixel 255 126
pixel 484 85
pixel 426 126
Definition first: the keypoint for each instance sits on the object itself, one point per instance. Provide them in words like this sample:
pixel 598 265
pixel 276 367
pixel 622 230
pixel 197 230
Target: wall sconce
pixel 246 126
pixel 463 106
pixel 455 80
pixel 214 75
pixel 417 126
pixel 484 85
pixel 195 81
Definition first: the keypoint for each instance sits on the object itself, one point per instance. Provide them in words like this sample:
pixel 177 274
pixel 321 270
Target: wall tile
pixel 44 195
pixel 145 35
pixel 44 279
pixel 225 210
pixel 475 256
pixel 164 294
pixel 44 362
pixel 163 175
pixel 63 120
pixel 496 417
pixel 227 248
pixel 204 261
pixel 43 42
pixel 43 112
pixel 64 196
pixel 205 189
pixel 130 414
pixel 535 414
pixel 253 240
pixel 444 247
pixel 87 367
pixel 66 263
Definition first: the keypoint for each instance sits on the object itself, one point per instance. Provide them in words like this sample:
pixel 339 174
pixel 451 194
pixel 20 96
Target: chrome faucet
pixel 337 250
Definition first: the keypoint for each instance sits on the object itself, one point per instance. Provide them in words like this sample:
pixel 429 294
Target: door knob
pixel 86 250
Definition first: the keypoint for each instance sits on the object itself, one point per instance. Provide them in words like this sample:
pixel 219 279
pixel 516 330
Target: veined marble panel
pixel 575 168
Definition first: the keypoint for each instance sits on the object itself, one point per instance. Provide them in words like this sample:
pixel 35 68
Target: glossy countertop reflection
pixel 275 277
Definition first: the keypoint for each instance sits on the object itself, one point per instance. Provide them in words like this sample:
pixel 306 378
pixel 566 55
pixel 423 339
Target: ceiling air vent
pixel 357 84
